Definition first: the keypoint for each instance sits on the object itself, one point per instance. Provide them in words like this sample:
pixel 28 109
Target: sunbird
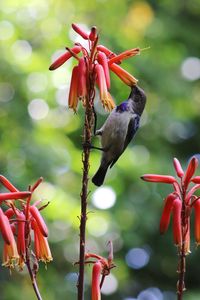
pixel 118 130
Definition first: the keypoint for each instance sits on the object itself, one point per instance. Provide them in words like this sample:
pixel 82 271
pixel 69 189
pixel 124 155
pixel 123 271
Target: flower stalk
pixel 93 67
pixel 16 223
pixel 179 204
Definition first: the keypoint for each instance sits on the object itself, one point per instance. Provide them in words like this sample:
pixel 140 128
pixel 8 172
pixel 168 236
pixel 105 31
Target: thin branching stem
pixel 32 273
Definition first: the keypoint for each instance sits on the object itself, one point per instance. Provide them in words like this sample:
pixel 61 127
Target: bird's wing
pixel 132 128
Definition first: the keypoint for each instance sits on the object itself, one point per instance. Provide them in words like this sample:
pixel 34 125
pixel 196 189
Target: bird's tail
pixel 99 177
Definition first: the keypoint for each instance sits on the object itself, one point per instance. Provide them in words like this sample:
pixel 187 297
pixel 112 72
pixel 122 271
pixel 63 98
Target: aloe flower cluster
pixel 101 268
pixel 18 218
pixel 180 203
pixel 94 65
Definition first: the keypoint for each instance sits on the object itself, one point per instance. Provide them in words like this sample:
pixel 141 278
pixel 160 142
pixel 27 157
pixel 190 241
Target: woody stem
pixel 182 252
pixel 88 125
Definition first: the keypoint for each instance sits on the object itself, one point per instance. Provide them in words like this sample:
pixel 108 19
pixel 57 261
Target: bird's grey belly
pixel 113 137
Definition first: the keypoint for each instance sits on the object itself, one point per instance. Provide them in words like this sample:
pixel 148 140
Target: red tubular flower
pixel 107 51
pixel 101 81
pixel 21 247
pixel 63 58
pixel 106 98
pixel 82 79
pixel 93 34
pixel 42 250
pixel 9 213
pixel 80 31
pixel 124 55
pixel 39 219
pixel 196 179
pixel 36 184
pixel 73 91
pixel 191 193
pixel 126 77
pixel 165 218
pixel 177 207
pixel 192 166
pixel 159 178
pixel 187 238
pixel 96 274
pixel 8 184
pixel 4 227
pixel 102 60
pixel 14 195
pixel 10 254
pixel 178 168
pixel 197 221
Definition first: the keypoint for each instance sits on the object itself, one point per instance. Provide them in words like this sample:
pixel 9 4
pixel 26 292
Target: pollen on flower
pixel 88 73
pixel 15 227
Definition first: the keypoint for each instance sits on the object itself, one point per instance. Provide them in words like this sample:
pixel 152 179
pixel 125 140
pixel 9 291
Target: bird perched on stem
pixel 118 130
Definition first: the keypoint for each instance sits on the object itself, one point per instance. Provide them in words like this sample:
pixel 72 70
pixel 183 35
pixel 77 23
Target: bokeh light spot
pixel 110 285
pixel 190 68
pixel 37 82
pixel 22 50
pixel 6 30
pixel 62 95
pixel 38 109
pixel 137 258
pixel 6 92
pixel 97 226
pixel 104 198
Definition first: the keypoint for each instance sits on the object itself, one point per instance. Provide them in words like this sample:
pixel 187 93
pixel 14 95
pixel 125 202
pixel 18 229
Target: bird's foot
pixel 89 146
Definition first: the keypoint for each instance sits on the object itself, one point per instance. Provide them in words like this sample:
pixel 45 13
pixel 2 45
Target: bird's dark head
pixel 138 99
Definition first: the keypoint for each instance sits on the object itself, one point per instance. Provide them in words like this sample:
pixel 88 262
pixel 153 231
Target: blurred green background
pixel 39 136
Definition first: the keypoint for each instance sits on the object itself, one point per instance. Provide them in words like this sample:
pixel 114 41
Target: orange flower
pixel 21 247
pixel 73 91
pixel 83 79
pixel 124 55
pixel 126 77
pixel 102 60
pixel 10 253
pixel 39 220
pixel 42 250
pixel 105 97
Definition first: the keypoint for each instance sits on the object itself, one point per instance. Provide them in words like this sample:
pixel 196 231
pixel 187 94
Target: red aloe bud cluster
pixel 16 223
pixel 179 204
pixel 101 268
pixel 93 66
pixel 183 198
